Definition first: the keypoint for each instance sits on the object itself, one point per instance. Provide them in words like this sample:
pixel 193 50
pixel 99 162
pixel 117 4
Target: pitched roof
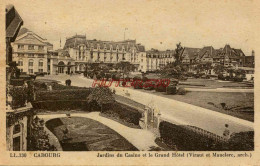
pixel 192 52
pixel 13 22
pixel 209 50
pixel 74 41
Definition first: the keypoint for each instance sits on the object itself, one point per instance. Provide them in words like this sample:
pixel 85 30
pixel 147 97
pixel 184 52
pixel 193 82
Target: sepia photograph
pixel 130 76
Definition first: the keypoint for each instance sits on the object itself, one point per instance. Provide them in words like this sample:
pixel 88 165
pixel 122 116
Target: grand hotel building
pixel 34 54
pixel 85 52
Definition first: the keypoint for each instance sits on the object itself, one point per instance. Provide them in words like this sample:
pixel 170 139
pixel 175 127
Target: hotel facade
pixel 85 52
pixel 30 52
pixel 34 54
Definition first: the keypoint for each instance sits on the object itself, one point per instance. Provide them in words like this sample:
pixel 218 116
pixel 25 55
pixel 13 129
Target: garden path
pixel 141 139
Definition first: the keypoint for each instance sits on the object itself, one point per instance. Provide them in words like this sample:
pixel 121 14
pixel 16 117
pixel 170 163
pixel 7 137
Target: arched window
pixel 61 65
pixel 17 137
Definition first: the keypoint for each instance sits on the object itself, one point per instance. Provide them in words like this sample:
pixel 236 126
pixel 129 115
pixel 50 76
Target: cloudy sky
pixel 194 23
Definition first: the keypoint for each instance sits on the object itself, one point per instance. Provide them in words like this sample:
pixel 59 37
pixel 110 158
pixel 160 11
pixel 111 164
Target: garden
pixel 83 134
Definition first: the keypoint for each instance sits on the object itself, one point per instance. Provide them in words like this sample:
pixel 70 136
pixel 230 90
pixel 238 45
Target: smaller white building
pixel 30 52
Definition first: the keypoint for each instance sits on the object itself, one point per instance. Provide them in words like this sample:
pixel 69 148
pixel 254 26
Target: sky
pixel 155 24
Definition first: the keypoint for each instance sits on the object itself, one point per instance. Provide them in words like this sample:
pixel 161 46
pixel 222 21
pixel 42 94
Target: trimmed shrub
pixel 238 79
pixel 116 77
pixel 243 141
pixel 19 96
pixel 171 90
pixel 69 94
pixel 149 85
pixel 136 78
pixel 17 82
pixel 184 139
pixel 99 77
pixel 91 75
pixel 108 75
pixel 137 84
pixel 181 91
pixel 127 78
pixel 145 79
pixel 160 88
pixel 61 105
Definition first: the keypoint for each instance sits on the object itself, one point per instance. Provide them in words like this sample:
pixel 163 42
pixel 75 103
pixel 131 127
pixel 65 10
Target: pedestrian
pixel 226 133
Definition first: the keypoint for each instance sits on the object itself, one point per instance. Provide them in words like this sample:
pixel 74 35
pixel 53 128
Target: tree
pixel 203 67
pixel 125 67
pixel 176 68
pixel 218 69
pixel 103 96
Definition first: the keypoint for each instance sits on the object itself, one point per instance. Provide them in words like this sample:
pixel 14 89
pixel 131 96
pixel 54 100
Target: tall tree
pixel 176 68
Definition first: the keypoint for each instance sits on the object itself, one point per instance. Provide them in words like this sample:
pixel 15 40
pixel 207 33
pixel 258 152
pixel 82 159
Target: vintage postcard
pixel 129 82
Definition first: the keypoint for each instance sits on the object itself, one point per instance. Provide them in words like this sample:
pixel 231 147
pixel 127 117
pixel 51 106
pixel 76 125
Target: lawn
pixel 210 83
pixel 87 135
pixel 238 104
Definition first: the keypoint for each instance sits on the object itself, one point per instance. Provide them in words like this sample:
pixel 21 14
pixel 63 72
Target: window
pixel 30 47
pixel 20 62
pixel 21 47
pixel 17 138
pixel 30 63
pixel 30 71
pixel 40 48
pixel 41 70
pixel 40 63
pixel 21 70
pixel 30 55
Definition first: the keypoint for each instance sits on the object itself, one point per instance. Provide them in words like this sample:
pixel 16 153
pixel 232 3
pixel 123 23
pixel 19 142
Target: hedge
pixel 187 140
pixel 68 94
pixel 124 112
pixel 61 105
pixel 184 139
